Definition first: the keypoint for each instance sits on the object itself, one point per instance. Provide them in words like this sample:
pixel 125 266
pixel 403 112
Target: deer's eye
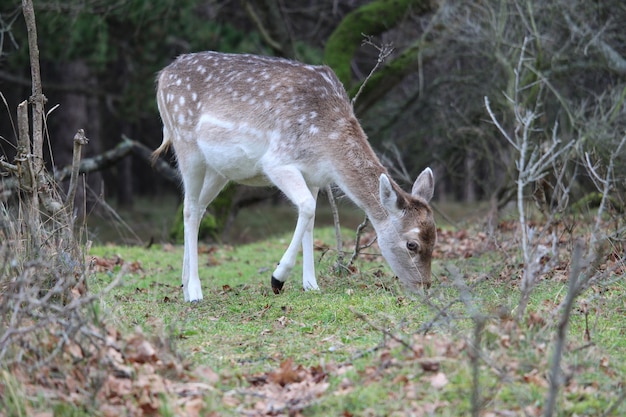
pixel 412 245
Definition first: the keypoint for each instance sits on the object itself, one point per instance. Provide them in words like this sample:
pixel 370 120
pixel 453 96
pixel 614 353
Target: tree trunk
pixel 371 19
pixel 470 178
pixel 76 111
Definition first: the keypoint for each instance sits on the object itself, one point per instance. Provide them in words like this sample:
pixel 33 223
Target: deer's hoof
pixel 277 286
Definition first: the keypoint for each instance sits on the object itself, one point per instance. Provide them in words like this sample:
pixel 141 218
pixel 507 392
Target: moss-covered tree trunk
pixel 372 19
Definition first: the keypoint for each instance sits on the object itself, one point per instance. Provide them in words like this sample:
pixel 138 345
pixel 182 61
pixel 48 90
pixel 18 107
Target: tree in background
pixel 99 62
pixel 424 104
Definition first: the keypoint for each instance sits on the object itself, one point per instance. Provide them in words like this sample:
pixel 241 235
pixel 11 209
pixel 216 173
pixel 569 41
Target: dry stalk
pixel 79 141
pixel 556 379
pixel 535 159
pixel 339 265
pixel 37 99
pixel 357 240
pixel 474 352
pixel 384 51
pixel 384 331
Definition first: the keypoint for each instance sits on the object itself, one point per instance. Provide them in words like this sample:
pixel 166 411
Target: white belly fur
pixel 239 152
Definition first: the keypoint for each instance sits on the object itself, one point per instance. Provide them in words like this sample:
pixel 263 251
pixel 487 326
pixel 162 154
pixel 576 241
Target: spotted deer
pixel 259 121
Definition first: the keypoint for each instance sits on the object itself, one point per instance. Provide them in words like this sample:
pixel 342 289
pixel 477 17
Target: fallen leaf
pixel 194 407
pixel 439 380
pixel 430 366
pixel 207 374
pixel 287 374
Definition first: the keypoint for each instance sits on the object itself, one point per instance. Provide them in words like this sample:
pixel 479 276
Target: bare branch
pixel 333 206
pixel 79 140
pixel 556 379
pixel 498 125
pixel 384 51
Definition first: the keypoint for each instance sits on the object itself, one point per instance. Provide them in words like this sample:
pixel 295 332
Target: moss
pixel 371 19
pixel 593 200
pixel 213 222
pixel 208 227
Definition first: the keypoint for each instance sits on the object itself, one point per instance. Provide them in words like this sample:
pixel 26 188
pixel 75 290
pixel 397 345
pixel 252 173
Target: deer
pixel 262 121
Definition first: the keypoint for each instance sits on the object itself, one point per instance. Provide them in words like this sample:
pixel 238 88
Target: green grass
pixel 242 330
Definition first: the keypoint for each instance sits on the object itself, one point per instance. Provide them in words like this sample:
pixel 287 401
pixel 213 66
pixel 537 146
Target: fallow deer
pixel 262 120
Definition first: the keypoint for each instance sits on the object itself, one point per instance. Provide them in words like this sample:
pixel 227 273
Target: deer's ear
pixel 388 196
pixel 424 185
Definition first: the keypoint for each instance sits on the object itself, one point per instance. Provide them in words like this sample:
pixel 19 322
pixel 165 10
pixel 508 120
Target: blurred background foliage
pixel 423 107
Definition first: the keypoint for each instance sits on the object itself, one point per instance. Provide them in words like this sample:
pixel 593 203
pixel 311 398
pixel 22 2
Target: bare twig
pixel 384 51
pixel 386 332
pixel 357 242
pixel 79 140
pixel 333 206
pixel 479 320
pixel 535 158
pixel 37 99
pixel 572 292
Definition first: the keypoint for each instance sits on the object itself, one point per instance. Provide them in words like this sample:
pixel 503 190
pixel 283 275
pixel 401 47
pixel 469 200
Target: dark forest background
pixel 424 106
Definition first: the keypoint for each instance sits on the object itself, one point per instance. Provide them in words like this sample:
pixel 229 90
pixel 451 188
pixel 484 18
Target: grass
pixel 361 346
pixel 362 331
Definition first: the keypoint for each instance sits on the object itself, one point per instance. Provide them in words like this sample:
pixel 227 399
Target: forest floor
pixel 361 346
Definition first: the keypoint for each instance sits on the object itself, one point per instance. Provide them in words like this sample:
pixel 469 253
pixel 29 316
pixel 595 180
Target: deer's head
pixel 408 234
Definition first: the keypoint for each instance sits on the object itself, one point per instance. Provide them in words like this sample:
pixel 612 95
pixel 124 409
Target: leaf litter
pixel 136 376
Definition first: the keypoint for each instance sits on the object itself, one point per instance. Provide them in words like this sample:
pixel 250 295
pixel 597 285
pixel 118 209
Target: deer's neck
pixel 359 173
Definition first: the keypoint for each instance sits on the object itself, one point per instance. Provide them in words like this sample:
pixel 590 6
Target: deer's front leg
pixel 290 181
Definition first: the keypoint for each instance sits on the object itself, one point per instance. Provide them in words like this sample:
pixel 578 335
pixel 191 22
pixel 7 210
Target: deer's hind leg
pixel 202 184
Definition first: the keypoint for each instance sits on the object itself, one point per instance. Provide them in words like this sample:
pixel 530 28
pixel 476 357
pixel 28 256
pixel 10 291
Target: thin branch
pixel 275 45
pixel 557 355
pixel 79 141
pixel 357 243
pixel 335 211
pixel 499 126
pixel 383 53
pixel 380 329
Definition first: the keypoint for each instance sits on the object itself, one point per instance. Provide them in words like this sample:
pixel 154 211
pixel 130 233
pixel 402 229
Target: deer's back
pixel 248 106
pixel 266 93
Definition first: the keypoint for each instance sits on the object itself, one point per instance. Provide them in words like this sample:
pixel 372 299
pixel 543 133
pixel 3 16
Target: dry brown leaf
pixel 286 374
pixel 116 387
pixel 429 366
pixel 207 374
pixel 140 350
pixel 193 407
pixel 533 377
pixel 110 410
pixel 439 380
